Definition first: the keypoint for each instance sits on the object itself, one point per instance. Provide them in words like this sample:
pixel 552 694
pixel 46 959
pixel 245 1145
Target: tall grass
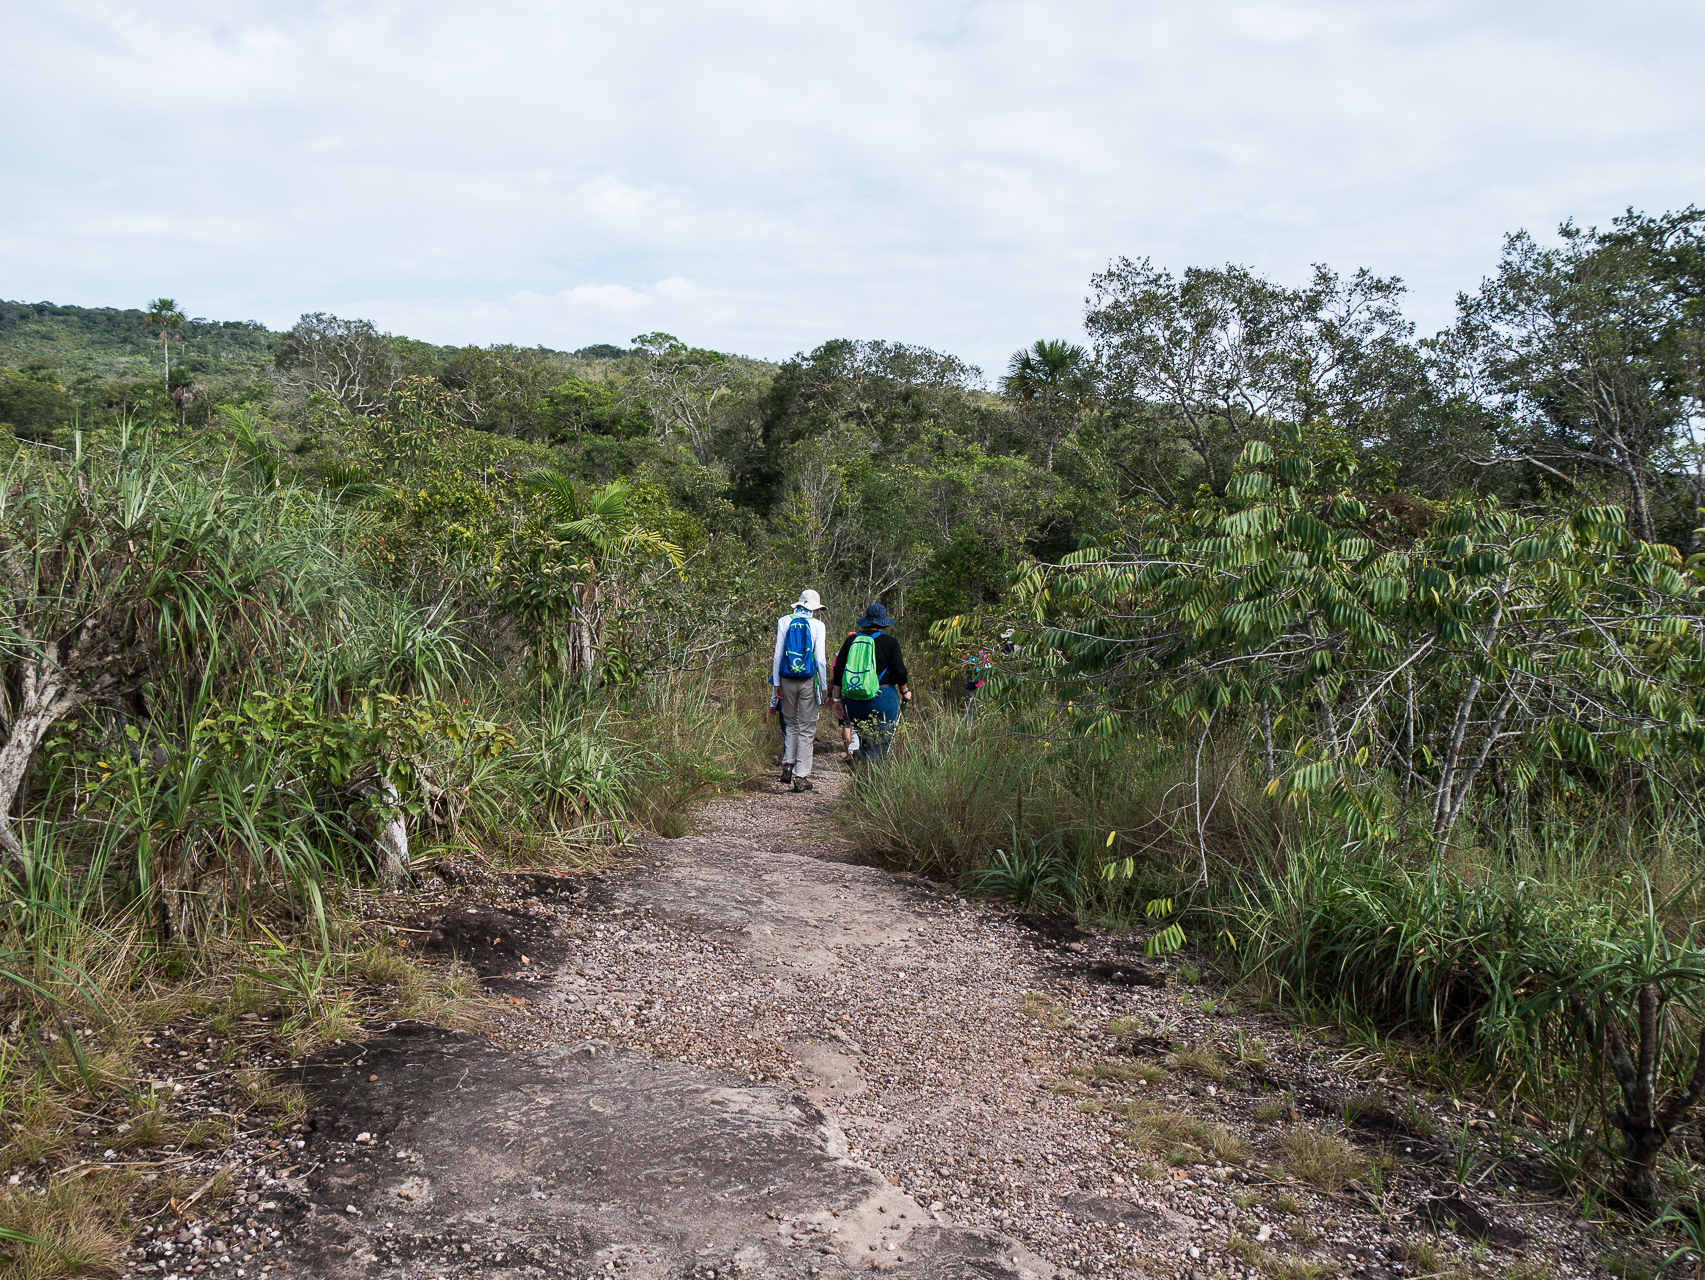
pixel 1529 954
pixel 956 800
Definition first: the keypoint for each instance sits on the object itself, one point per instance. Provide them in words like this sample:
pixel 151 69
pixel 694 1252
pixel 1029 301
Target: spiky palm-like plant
pixel 1052 381
pixel 554 589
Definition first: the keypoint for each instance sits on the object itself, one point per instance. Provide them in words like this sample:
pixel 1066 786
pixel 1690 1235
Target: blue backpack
pixel 798 654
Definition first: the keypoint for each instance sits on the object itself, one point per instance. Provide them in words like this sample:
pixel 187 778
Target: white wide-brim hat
pixel 808 599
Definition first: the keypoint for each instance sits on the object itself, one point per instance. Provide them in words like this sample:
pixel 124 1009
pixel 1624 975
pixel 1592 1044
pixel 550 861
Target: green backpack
pixel 859 678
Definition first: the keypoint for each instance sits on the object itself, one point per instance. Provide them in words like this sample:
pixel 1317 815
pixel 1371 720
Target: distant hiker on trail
pixel 977 666
pixel 869 679
pixel 798 675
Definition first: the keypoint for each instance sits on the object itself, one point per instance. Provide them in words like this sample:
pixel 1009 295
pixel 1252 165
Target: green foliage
pixel 1687 1222
pixel 559 566
pixel 109 341
pixel 1369 672
pixel 125 567
pixel 1033 878
pixel 502 387
pixel 1593 348
pixel 33 404
pixel 1196 366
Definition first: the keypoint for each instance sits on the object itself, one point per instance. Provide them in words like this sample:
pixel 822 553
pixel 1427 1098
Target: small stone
pixel 349 1208
pixel 1265 1234
pixel 371 1079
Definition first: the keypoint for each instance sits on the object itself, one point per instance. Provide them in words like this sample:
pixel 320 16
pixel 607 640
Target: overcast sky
pixel 759 177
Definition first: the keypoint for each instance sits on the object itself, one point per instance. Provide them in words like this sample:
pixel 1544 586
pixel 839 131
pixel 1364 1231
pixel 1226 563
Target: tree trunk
pixel 390 849
pixel 1267 741
pixel 1642 505
pixel 1637 1117
pixel 587 624
pixel 42 703
pixel 1466 781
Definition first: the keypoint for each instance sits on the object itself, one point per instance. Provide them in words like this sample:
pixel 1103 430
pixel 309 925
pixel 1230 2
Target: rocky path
pixel 757 1058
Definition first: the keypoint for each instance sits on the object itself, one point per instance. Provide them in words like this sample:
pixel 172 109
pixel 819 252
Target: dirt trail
pixel 761 1059
pixel 442 1155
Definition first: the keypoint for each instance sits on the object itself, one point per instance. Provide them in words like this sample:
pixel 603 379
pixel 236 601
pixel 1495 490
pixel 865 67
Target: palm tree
pixel 589 531
pixel 1053 380
pixel 163 314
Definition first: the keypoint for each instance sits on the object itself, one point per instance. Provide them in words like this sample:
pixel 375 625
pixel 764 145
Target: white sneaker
pixel 852 747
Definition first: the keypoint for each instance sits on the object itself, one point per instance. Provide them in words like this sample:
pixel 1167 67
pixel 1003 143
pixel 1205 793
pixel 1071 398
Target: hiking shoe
pixel 803 784
pixel 786 774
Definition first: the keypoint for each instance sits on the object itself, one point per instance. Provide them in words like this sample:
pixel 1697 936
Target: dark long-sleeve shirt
pixel 889 661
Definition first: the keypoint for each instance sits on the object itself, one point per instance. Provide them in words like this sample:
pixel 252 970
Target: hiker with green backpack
pixel 799 675
pixel 869 679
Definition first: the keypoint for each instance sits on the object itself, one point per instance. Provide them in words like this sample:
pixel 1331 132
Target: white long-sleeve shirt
pixel 819 642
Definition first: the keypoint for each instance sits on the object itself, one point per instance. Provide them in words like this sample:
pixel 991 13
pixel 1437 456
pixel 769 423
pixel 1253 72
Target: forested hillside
pixel 1370 664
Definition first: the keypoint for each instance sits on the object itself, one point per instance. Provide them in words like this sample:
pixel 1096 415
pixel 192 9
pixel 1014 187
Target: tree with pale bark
pixel 116 569
pixel 164 315
pixel 1592 350
pixel 348 360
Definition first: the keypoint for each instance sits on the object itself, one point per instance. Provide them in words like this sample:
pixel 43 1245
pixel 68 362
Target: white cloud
pixel 760 177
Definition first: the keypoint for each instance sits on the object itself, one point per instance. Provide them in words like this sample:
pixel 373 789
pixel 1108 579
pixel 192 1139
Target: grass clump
pixel 1128 1072
pixel 78 1223
pixel 1324 1159
pixel 448 996
pixel 1039 1008
pixel 1423 1255
pixel 1298 1269
pixel 284 1104
pixel 1183 1139
pixel 1203 1061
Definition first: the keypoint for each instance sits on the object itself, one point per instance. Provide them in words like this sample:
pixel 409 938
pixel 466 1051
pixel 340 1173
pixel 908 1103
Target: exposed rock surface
pixel 444 1155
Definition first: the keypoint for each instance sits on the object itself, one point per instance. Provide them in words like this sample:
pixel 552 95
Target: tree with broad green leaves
pixel 684 387
pixel 1204 362
pixel 1387 676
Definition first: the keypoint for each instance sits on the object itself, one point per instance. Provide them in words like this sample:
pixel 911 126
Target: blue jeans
pixel 874 719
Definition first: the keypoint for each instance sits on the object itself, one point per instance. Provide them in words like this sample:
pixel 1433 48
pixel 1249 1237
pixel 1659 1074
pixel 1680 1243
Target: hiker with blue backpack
pixel 799 675
pixel 869 680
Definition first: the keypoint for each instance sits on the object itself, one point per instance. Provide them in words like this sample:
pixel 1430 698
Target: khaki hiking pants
pixel 799 708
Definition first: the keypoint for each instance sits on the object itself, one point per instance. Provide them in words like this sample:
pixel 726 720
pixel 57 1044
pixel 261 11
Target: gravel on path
pixel 1002 1079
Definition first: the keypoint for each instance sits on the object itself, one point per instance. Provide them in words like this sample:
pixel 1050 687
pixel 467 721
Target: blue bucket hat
pixel 875 618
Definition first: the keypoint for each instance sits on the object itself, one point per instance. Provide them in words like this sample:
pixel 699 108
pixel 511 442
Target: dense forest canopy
pixel 879 469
